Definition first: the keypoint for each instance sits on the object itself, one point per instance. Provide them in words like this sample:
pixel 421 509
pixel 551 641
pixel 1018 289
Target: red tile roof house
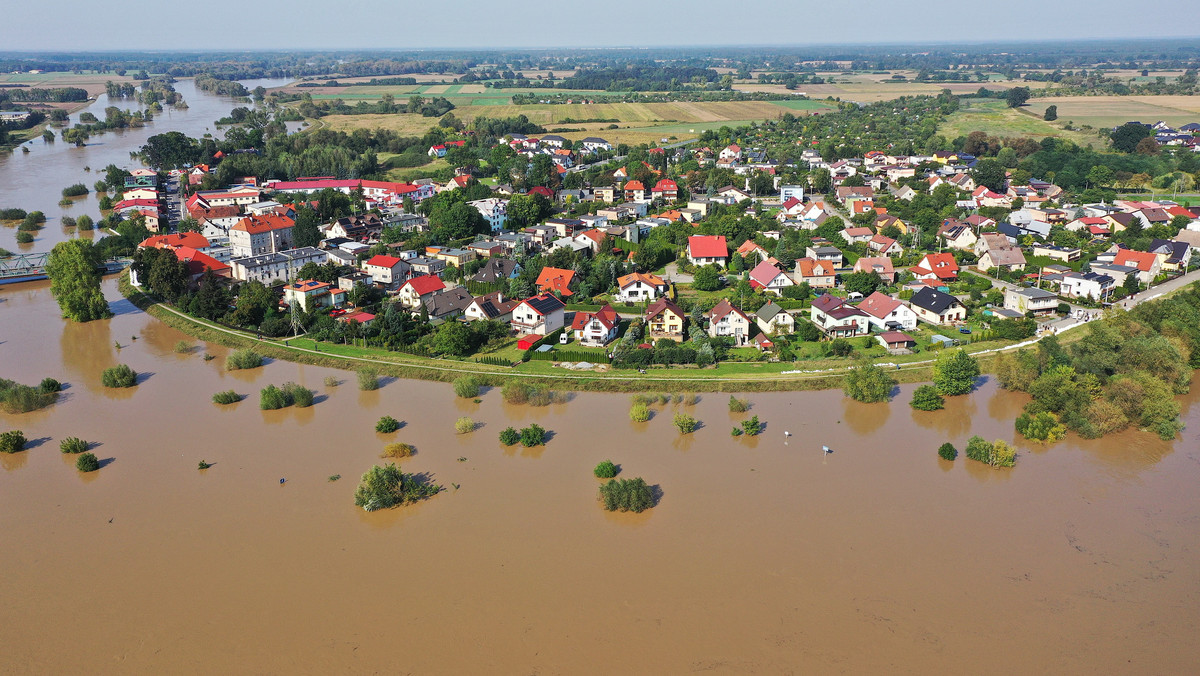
pixel 728 321
pixel 750 247
pixel 838 319
pixel 596 329
pixel 665 189
pixel 539 315
pixel 940 266
pixel 883 310
pixel 766 276
pixel 881 266
pixel 556 281
pixel 885 246
pixel 416 289
pixel 706 249
pixel 635 191
pixel 386 270
pixel 1148 264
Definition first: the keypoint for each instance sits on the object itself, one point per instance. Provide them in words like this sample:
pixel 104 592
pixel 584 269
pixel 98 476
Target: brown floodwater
pixel 762 556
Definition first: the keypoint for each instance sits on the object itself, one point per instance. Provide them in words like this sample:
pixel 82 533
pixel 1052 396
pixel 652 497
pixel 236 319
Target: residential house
pixel 1008 259
pixel 310 294
pixel 839 319
pixel 957 235
pixel 497 270
pixel 888 314
pixel 767 276
pixel 724 320
pixel 635 191
pixel 640 286
pixel 447 304
pixel 556 281
pixel 494 210
pixel 936 307
pixel 1148 265
pixel 884 246
pixel 387 271
pixel 664 319
pixel 666 190
pixel 707 249
pixel 750 248
pixel 539 315
pixel 1058 253
pixel 257 235
pixel 855 235
pixel 594 144
pixel 732 194
pixel 1094 285
pixel 939 266
pixel 904 192
pixel 818 274
pixel 414 291
pixel 1029 299
pixel 450 256
pixel 881 266
pixel 596 329
pixel 275 267
pixel 1173 255
pixel 422 265
pixel 731 152
pixel 490 306
pixel 772 319
pixel 895 341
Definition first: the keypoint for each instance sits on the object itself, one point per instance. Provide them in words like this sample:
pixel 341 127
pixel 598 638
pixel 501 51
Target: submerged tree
pixel 74 281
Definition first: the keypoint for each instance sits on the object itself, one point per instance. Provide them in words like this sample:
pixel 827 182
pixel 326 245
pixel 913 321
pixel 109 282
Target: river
pixel 34 180
pixel 764 555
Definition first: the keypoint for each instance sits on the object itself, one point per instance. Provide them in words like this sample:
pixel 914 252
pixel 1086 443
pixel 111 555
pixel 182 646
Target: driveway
pixel 673 274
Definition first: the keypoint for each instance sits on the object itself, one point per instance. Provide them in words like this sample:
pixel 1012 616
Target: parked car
pixel 964 329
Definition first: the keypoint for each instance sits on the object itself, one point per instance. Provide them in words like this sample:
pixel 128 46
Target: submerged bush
pixel 288 394
pixel 1042 426
pixel 639 412
pixel 387 424
pixel 947 451
pixel 398 450
pixel 18 398
pixel 72 445
pixel 183 347
pixel 12 441
pixel 738 405
pixel 331 381
pixel 605 470
pixel 119 376
pixel 302 397
pixel 752 427
pixel 368 379
pixel 87 462
pixel 509 436
pixel 996 454
pixel 243 359
pixel 226 397
pixel 386 486
pixel 927 398
pixel 517 392
pixel 627 495
pixel 736 431
pixel 534 435
pixel 466 387
pixel 464 425
pixel 685 423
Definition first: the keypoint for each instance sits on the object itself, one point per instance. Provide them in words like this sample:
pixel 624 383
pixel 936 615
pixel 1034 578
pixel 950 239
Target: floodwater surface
pixel 763 555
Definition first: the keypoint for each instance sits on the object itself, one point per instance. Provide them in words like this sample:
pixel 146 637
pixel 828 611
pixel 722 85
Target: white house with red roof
pixel 839 319
pixel 665 189
pixel 880 265
pixel 1148 265
pixel 766 276
pixel 724 320
pixel 708 249
pixel 596 329
pixel 635 191
pixel 936 266
pixel 884 246
pixel 888 314
pixel 414 291
pixel 792 207
pixel 387 270
pixel 730 153
pixel 258 235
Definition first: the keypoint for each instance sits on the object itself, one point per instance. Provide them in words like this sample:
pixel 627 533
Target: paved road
pixel 673 274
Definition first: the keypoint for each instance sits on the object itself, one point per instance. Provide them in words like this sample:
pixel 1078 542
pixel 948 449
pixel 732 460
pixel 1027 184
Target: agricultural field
pixel 1111 111
pixel 93 81
pixel 637 122
pixel 872 87
pixel 995 118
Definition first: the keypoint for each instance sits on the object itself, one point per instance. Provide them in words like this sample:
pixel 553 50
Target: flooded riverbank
pixel 762 556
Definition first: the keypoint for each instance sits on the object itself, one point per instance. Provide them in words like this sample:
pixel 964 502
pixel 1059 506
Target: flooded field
pixel 762 556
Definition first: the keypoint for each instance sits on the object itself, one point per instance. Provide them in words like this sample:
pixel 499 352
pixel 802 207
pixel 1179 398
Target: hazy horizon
pixel 376 25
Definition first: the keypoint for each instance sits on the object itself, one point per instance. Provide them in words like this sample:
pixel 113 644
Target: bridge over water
pixel 23 267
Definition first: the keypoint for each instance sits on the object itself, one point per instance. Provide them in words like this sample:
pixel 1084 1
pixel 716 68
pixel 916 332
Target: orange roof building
pixel 556 281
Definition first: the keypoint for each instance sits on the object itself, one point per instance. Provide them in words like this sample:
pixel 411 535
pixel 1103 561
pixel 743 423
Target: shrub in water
pixel 387 424
pixel 368 379
pixel 752 426
pixel 203 465
pixel 119 376
pixel 626 495
pixel 24 238
pixel 12 441
pixel 738 405
pixel 387 486
pixel 736 432
pixel 301 396
pixel 87 463
pixel 996 454
pixel 72 445
pixel 464 425
pixel 605 470
pixel 509 436
pixel 272 398
pixel 685 423
pixel 927 398
pixel 639 412
pixel 691 400
pixel 533 435
pixel 947 451
pixel 49 385
pixel 18 398
pixel 515 392
pixel 226 397
pixel 398 450
pixel 243 359
pixel 330 381
pixel 466 387
pixel 183 347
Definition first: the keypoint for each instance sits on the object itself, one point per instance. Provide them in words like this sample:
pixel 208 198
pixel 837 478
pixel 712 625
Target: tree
pixel 168 276
pixel 74 281
pixel 1051 113
pixel 990 173
pixel 707 278
pixel 305 232
pixel 454 338
pixel 1126 137
pixel 1147 146
pixel 1100 175
pixel 868 383
pixel 627 495
pixel 253 301
pixel 955 372
pixel 927 398
pixel 862 282
pixel 1016 97
pixel 947 451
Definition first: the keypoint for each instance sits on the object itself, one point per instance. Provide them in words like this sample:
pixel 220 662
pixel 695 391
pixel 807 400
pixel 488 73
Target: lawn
pixel 1110 111
pixel 995 118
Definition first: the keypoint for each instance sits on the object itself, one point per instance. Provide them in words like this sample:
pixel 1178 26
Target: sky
pixel 81 25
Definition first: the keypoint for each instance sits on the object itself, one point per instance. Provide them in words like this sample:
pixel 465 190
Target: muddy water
pixel 34 180
pixel 762 556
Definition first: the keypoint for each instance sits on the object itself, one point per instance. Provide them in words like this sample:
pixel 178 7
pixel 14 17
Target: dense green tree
pixel 1126 137
pixel 74 281
pixel 862 282
pixel 306 232
pixel 927 398
pixel 1051 113
pixel 868 383
pixel 707 278
pixel 990 173
pixel 955 372
pixel 253 302
pixel 1016 97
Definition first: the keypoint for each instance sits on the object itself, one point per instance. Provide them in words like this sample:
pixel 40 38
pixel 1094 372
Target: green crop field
pixel 995 118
